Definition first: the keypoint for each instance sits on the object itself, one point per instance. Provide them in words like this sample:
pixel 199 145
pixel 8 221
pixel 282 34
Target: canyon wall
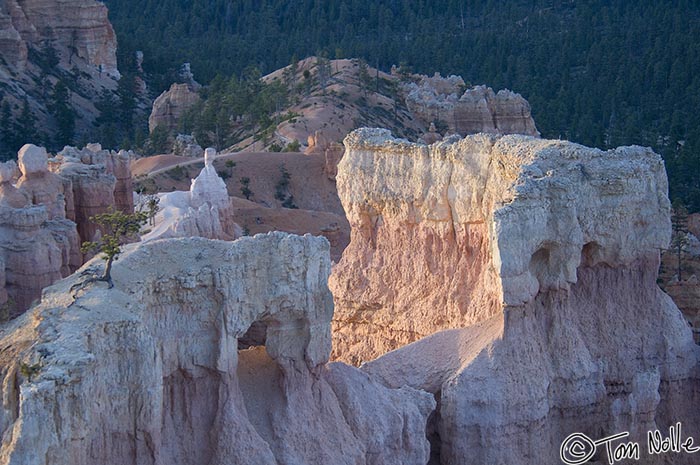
pixel 203 352
pixel 44 42
pixel 527 268
pixel 80 27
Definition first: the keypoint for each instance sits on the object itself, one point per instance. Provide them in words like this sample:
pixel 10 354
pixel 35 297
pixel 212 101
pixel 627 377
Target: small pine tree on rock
pixel 115 225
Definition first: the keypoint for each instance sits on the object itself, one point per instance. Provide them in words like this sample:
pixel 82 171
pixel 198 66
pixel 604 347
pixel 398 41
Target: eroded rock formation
pixel 42 186
pixel 331 151
pixel 186 146
pixel 203 211
pixel 157 361
pixel 38 245
pixel 171 105
pixel 46 216
pixel 468 110
pixel 686 294
pixel 96 181
pixel 543 256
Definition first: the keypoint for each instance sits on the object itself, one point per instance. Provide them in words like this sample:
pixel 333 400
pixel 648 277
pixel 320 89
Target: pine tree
pixel 25 127
pixel 679 224
pixel 363 76
pixel 114 226
pixel 323 71
pixel 107 121
pixel 127 102
pixel 64 114
pixel 6 131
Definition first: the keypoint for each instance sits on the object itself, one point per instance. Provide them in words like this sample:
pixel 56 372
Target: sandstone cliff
pixel 78 26
pixel 44 41
pixel 46 216
pixel 164 362
pixel 543 257
pixel 38 245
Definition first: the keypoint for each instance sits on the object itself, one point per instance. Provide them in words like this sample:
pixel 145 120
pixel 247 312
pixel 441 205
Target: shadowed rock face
pixel 96 181
pixel 171 105
pixel 527 268
pixel 156 359
pixel 38 245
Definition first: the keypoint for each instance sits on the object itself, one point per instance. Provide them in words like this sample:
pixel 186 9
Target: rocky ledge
pixel 203 352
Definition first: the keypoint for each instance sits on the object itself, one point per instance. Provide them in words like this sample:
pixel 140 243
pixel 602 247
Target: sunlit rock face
pixel 317 144
pixel 203 352
pixel 526 271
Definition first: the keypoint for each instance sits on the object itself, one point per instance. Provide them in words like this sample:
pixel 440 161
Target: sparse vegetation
pixel 289 202
pixel 149 204
pixel 245 187
pixel 114 227
pixel 282 189
pixel 232 104
pixel 283 184
pixel 230 164
pixel 293 146
pixel 145 185
pixel 29 371
pixel 177 173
